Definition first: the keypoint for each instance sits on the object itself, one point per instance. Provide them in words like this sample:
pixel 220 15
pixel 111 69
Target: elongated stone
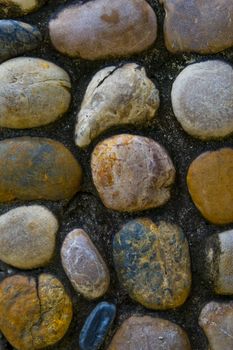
pixel 33 92
pixel 153 263
pixel 104 28
pixel 37 168
pixel 16 8
pixel 116 96
pixel 84 265
pixel 27 236
pixel 96 326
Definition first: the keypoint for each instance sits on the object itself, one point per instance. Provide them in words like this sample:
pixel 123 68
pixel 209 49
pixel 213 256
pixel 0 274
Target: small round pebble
pixel 210 183
pixel 84 265
pixel 132 173
pixel 149 333
pixel 34 313
pixel 104 28
pixel 153 263
pixel 27 236
pixel 116 96
pixel 202 99
pixel 16 8
pixel 33 92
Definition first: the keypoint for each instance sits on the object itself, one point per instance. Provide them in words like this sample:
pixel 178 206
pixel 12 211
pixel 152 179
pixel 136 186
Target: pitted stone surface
pixel 16 8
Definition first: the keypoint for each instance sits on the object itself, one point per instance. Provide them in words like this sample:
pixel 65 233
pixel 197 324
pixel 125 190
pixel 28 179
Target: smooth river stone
pixel 116 96
pixel 27 236
pixel 84 265
pixel 149 333
pixel 198 26
pixel 104 28
pixel 210 183
pixel 96 326
pixel 153 263
pixel 17 38
pixel 33 92
pixel 202 99
pixel 34 313
pixel 132 173
pixel 37 168
pixel 16 8
pixel 216 319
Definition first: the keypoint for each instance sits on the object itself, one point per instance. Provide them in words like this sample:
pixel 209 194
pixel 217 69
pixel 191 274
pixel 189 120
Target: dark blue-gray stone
pixel 97 326
pixel 17 38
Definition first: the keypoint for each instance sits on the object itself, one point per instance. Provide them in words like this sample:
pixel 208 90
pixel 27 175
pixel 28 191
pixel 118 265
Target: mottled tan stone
pixel 132 173
pixel 104 28
pixel 149 333
pixel 15 8
pixel 198 26
pixel 210 183
pixel 34 314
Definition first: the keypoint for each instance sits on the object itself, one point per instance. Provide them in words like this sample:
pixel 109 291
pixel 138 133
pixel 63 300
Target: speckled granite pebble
pixel 84 265
pixel 27 236
pixel 37 168
pixel 33 92
pixel 16 8
pixel 132 173
pixel 34 314
pixel 202 99
pixel 148 333
pixel 104 28
pixel 198 26
pixel 153 263
pixel 96 326
pixel 116 96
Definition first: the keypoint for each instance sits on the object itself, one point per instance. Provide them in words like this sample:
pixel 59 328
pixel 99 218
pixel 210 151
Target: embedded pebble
pixel 104 28
pixel 149 333
pixel 132 173
pixel 16 8
pixel 17 38
pixel 96 326
pixel 202 99
pixel 153 263
pixel 198 26
pixel 116 96
pixel 210 183
pixel 34 314
pixel 216 319
pixel 27 236
pixel 33 92
pixel 84 265
pixel 37 168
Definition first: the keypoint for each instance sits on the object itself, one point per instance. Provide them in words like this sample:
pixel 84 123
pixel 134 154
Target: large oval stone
pixel 116 96
pixel 17 38
pixel 27 236
pixel 34 313
pixel 210 183
pixel 84 265
pixel 149 333
pixel 198 26
pixel 33 92
pixel 37 168
pixel 153 263
pixel 104 28
pixel 16 8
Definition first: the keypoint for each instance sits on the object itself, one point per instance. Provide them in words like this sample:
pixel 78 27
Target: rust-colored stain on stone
pixel 113 18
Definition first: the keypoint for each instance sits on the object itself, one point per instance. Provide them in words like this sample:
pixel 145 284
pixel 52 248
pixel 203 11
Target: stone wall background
pixel 86 210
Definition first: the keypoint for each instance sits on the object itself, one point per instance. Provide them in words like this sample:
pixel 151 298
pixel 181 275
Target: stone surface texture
pixel 216 319
pixel 15 8
pixel 202 99
pixel 116 96
pixel 84 265
pixel 210 183
pixel 149 333
pixel 198 26
pixel 37 168
pixel 33 92
pixel 34 314
pixel 153 263
pixel 132 173
pixel 104 28
pixel 27 236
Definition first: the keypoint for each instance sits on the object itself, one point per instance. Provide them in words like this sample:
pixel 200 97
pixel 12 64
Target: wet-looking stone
pixel 16 8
